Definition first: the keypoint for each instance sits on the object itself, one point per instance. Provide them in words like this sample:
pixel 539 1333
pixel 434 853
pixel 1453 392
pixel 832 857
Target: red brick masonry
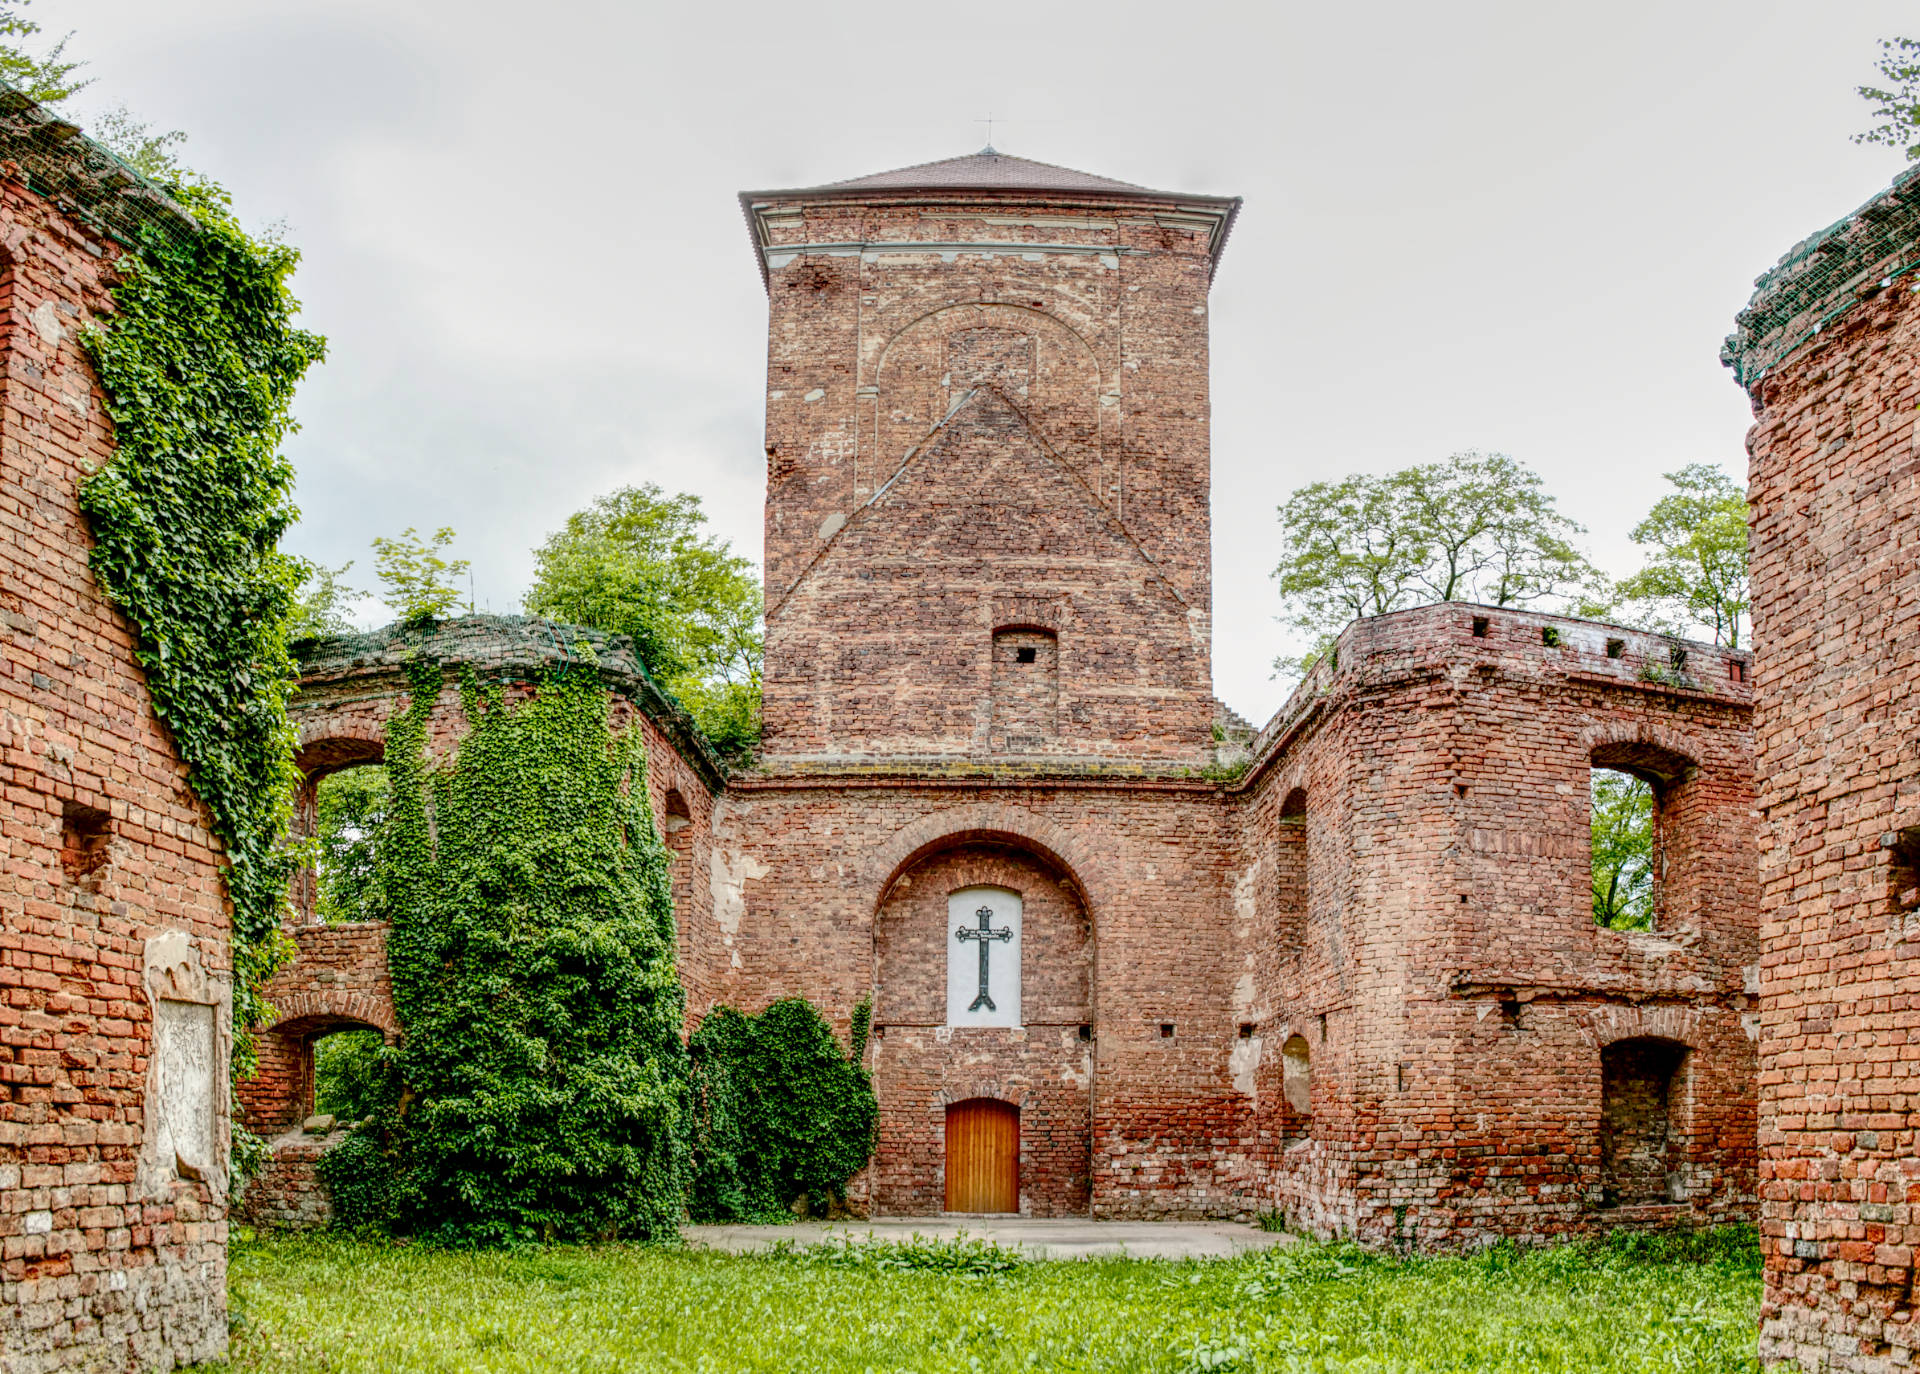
pixel 1827 351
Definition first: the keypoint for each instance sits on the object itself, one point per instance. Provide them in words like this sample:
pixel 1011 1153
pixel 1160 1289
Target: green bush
pixel 781 1114
pixel 350 1074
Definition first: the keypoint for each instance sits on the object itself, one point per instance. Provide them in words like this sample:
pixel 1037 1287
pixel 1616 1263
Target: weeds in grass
pixel 1685 1303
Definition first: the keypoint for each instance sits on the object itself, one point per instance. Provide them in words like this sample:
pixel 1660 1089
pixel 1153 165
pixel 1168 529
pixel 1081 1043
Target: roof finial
pixel 989 150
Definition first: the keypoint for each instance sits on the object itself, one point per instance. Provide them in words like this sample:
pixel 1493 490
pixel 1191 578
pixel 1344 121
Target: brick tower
pixel 987 465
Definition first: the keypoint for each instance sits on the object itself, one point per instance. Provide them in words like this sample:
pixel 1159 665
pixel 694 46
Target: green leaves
pixel 420 584
pixel 1897 106
pixel 780 1112
pixel 199 367
pixel 540 1088
pixel 1477 527
pixel 1622 827
pixel 639 562
pixel 1697 572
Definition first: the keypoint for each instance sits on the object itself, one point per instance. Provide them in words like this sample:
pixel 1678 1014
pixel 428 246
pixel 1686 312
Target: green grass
pixel 330 1304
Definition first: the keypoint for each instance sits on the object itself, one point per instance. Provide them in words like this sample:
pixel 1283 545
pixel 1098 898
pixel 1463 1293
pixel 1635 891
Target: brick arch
pixel 984 315
pixel 1604 1025
pixel 982 1086
pixel 312 1009
pixel 988 823
pixel 327 746
pixel 1666 750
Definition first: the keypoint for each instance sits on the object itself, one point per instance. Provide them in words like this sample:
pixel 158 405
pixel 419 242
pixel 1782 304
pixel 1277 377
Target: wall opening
pixel 677 823
pixel 85 834
pixel 1647 826
pixel 349 810
pixel 1622 835
pixel 343 1069
pixel 1296 1089
pixel 1026 688
pixel 1639 1154
pixel 1903 876
pixel 1290 871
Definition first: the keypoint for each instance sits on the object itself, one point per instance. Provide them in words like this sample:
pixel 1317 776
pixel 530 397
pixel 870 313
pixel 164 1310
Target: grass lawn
pixel 324 1303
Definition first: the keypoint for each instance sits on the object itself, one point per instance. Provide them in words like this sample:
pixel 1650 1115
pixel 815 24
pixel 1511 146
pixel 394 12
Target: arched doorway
pixel 971 1010
pixel 1640 1145
pixel 983 1156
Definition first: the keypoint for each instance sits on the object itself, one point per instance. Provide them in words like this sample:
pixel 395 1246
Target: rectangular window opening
pixel 1616 647
pixel 84 835
pixel 1550 636
pixel 1736 670
pixel 1246 1030
pixel 1026 653
pixel 1086 1031
pixel 1166 1030
pixel 1677 657
pixel 1479 627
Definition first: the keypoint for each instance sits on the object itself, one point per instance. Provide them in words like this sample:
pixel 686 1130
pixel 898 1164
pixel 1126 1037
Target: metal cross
pixel 988 121
pixel 985 936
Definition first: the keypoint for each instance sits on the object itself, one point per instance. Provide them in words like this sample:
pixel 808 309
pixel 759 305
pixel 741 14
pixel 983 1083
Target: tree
pixel 47 79
pixel 1477 527
pixel 420 584
pixel 1697 573
pixel 350 808
pixel 1897 108
pixel 1622 851
pixel 640 562
pixel 322 608
pixel 135 143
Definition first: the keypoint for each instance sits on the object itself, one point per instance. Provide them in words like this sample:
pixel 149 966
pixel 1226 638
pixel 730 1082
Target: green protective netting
pixel 1824 276
pixel 86 182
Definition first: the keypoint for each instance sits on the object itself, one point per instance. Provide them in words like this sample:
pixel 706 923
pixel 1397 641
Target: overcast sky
pixel 1513 226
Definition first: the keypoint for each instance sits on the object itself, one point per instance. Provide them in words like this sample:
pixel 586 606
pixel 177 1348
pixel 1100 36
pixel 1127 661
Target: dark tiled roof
pixel 988 169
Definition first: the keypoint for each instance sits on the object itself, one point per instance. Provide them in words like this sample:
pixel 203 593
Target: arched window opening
pixel 1290 871
pixel 1622 829
pixel 1296 1088
pixel 1638 831
pixel 349 811
pixel 1026 688
pixel 678 824
pixel 345 1073
pixel 1639 1148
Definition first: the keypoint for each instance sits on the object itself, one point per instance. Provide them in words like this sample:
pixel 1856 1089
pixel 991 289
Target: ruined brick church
pixel 1128 957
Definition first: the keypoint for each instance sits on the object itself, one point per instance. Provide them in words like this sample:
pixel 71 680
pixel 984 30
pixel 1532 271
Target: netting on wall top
pixel 86 181
pixel 1824 276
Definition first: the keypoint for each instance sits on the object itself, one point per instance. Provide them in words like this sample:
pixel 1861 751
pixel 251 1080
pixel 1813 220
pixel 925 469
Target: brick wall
pixel 1449 989
pixel 109 1259
pixel 962 440
pixel 1828 350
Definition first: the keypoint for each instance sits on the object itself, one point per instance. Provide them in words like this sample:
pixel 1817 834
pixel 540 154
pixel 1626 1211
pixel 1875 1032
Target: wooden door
pixel 983 1156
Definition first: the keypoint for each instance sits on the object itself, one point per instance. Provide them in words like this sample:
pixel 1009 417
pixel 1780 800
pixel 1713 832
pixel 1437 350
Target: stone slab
pixel 1040 1238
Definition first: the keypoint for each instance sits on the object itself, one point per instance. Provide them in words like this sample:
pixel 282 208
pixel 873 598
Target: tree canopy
pixel 1622 851
pixel 1696 574
pixel 1897 104
pixel 1475 527
pixel 419 584
pixel 47 78
pixel 640 562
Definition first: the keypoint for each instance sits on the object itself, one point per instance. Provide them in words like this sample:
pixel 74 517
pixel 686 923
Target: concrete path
pixel 1068 1239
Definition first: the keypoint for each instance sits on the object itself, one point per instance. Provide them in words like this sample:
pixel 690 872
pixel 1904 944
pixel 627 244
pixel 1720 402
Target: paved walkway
pixel 1059 1239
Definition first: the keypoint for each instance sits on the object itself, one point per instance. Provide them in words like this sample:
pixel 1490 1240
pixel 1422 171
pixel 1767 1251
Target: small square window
pixel 1166 1030
pixel 1246 1030
pixel 1026 653
pixel 1677 657
pixel 1086 1031
pixel 1616 647
pixel 1479 627
pixel 1736 670
pixel 1550 636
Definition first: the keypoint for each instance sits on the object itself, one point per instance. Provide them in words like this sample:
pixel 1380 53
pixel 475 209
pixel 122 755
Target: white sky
pixel 1485 225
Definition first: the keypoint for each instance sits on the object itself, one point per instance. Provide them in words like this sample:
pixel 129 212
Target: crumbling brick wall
pixel 112 916
pixel 1827 351
pixel 1448 990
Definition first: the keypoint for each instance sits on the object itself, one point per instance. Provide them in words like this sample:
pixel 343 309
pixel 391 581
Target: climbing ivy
pixel 199 364
pixel 782 1116
pixel 539 1091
